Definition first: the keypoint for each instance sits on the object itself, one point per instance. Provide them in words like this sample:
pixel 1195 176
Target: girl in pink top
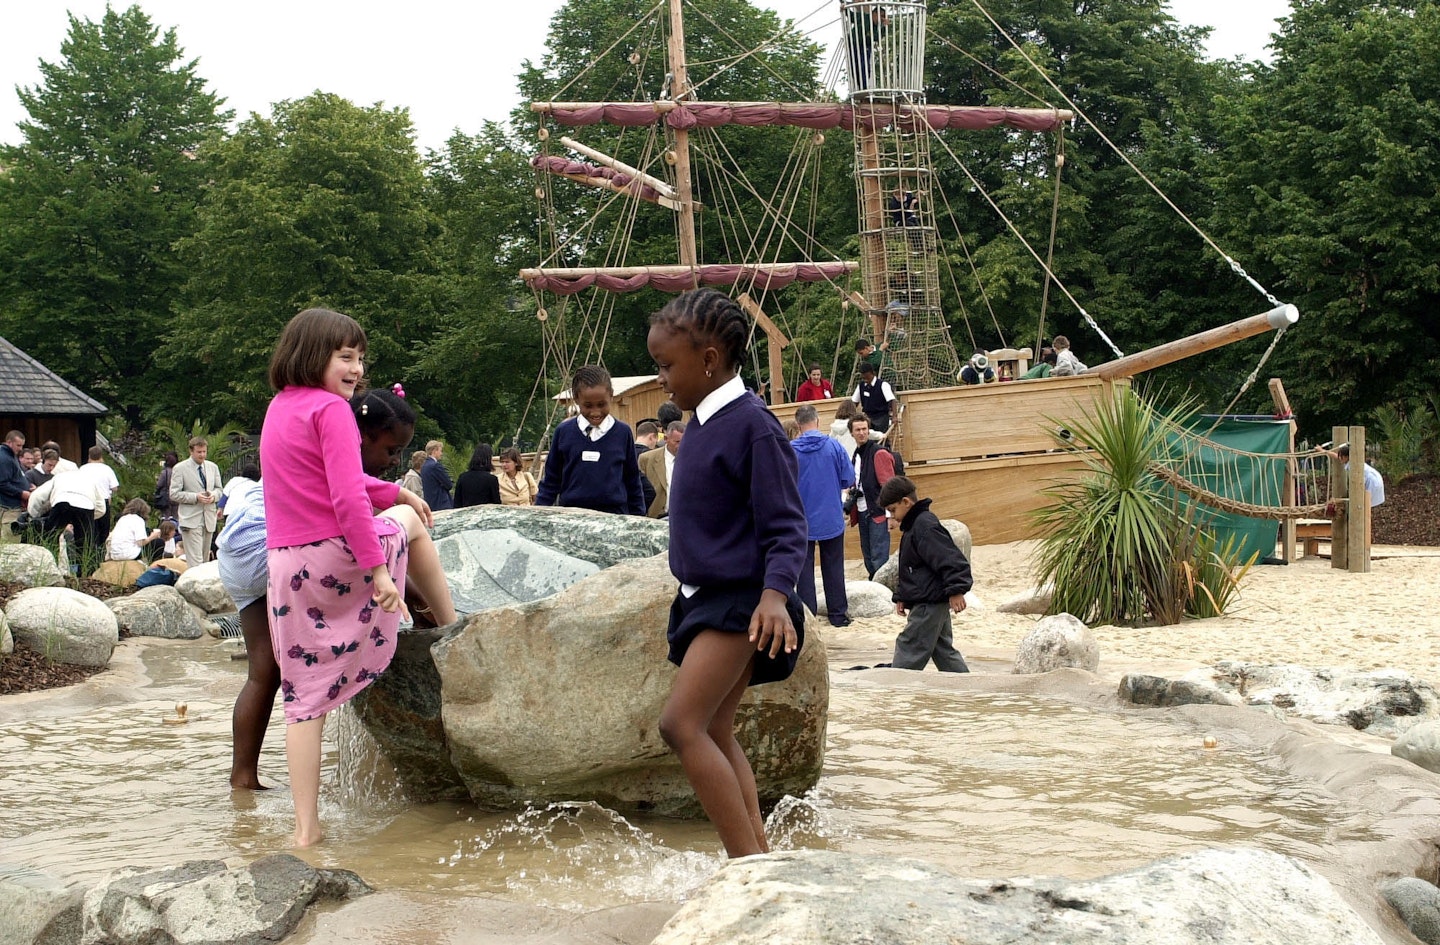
pixel 337 570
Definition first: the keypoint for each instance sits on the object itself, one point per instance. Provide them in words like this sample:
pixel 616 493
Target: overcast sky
pixel 452 62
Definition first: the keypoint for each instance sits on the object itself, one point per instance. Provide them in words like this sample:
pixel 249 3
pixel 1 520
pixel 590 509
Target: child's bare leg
pixel 302 752
pixel 714 664
pixel 423 570
pixel 722 732
pixel 256 700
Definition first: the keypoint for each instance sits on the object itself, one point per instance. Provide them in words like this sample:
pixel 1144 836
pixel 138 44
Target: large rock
pixel 203 903
pixel 119 573
pixel 889 572
pixel 67 626
pixel 1058 642
pixel 201 586
pixel 558 700
pixel 1418 903
pixel 496 556
pixel 1033 601
pixel 1420 744
pixel 35 907
pixel 1382 702
pixel 1159 692
pixel 157 611
pixel 819 897
pixel 30 565
pixel 863 599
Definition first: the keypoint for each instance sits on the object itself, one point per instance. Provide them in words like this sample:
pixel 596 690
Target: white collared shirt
pixel 732 389
pixel 669 475
pixel 591 431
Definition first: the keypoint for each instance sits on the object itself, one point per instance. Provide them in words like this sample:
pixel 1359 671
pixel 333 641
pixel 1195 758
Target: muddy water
pixel 984 784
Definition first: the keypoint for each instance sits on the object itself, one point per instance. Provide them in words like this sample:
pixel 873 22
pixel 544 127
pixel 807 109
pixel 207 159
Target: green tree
pixel 1333 181
pixel 105 182
pixel 321 204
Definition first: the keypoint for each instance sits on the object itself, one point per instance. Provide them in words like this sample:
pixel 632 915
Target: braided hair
pixel 379 410
pixel 587 376
pixel 708 316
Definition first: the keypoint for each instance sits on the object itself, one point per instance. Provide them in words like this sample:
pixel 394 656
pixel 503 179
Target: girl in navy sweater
pixel 592 461
pixel 737 543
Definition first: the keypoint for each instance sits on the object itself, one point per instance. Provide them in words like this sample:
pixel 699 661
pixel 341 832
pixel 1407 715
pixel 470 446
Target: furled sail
pixel 683 278
pixel 822 116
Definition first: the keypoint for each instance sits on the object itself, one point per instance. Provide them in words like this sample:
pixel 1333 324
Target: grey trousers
pixel 927 636
pixel 197 544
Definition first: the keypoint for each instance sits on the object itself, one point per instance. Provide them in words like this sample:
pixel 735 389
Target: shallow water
pixel 987 785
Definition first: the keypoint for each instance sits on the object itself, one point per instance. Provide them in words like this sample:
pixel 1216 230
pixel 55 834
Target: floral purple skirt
pixel 331 639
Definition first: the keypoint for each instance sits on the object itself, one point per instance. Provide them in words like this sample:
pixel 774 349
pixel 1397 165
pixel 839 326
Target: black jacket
pixel 476 487
pixel 932 569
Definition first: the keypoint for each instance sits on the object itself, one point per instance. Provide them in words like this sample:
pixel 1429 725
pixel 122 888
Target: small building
pixel 636 398
pixel 44 406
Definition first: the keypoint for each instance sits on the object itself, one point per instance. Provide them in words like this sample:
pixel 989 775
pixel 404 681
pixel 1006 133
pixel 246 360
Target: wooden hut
pixel 44 406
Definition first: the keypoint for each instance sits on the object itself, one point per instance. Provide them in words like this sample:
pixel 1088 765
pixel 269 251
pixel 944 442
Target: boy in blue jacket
pixel 934 577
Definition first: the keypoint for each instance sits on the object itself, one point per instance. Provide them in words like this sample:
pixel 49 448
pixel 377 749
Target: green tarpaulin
pixel 1247 479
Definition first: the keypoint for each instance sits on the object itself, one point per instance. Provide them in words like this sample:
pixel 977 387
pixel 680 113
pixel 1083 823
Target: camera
pixel 852 497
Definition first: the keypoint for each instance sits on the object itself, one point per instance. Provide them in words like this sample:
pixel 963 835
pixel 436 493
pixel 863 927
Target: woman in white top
pixel 131 536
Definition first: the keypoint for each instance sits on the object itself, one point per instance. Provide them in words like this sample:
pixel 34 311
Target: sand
pixel 1305 613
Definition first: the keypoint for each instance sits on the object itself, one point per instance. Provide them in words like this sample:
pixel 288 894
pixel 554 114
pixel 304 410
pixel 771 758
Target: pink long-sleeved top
pixel 315 487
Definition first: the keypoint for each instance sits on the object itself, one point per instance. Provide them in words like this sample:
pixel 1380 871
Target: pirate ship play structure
pixel 983 451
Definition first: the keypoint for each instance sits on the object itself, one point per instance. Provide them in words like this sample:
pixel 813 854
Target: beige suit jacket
pixel 652 465
pixel 185 489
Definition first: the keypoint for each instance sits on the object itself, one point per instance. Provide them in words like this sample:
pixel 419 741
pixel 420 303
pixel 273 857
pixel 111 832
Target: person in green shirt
pixel 869 354
pixel 1043 367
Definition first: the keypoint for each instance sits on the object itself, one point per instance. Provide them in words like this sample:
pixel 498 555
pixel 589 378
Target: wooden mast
pixel 1281 316
pixel 679 89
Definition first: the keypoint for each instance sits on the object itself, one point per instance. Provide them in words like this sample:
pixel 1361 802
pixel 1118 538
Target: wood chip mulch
pixel 1410 514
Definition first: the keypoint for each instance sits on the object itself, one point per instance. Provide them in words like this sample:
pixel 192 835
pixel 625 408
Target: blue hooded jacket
pixel 825 471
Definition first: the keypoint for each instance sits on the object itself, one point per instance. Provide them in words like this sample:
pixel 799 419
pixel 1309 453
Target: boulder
pixel 157 611
pixel 1035 601
pixel 1382 702
pixel 497 556
pixel 1420 744
pixel 67 626
pixel 35 906
pixel 30 565
pixel 1059 641
pixel 863 599
pixel 119 573
pixel 1157 691
pixel 200 585
pixel 559 699
pixel 1418 903
pixel 889 572
pixel 819 897
pixel 7 639
pixel 203 903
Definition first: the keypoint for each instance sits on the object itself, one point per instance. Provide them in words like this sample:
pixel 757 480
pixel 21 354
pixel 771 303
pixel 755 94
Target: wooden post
pixel 1287 489
pixel 777 343
pixel 1172 351
pixel 1358 530
pixel 679 90
pixel 1340 521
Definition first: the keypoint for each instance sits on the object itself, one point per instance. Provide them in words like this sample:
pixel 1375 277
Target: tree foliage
pixel 105 182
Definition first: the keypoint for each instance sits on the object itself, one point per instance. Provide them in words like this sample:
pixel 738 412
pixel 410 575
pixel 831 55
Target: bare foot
pixel 301 841
pixel 247 784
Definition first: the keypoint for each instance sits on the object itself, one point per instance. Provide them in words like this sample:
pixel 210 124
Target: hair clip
pixel 398 390
pixel 365 409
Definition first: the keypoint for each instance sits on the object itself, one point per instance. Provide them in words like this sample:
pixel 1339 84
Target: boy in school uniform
pixel 934 577
pixel 592 462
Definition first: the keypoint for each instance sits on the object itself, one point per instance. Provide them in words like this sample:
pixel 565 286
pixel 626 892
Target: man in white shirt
pixel 70 499
pixel 659 465
pixel 99 472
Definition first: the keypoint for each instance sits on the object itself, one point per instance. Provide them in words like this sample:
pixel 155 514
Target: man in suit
pixel 658 465
pixel 194 493
pixel 435 481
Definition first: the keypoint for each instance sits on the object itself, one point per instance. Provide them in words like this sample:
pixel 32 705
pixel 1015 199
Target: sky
pixel 451 62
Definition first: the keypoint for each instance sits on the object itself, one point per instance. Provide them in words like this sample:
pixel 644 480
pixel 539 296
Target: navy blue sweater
pixel 609 481
pixel 735 510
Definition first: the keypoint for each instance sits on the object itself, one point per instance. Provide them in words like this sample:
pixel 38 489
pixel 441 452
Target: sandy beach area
pixel 1305 613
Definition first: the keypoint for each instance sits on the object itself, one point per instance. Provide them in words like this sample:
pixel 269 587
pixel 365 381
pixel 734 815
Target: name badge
pixel 590 456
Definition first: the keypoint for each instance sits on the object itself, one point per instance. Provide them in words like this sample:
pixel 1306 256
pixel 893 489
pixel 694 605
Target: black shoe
pixel 842 622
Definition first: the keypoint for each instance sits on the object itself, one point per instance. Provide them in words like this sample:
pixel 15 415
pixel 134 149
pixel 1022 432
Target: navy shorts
pixel 729 609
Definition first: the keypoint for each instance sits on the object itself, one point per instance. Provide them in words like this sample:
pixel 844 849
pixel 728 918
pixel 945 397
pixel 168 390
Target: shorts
pixel 729 609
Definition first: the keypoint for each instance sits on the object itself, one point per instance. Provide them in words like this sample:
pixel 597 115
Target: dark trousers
pixel 832 572
pixel 879 422
pixel 927 636
pixel 874 542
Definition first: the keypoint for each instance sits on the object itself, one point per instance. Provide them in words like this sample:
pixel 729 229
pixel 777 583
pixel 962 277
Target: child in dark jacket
pixel 934 577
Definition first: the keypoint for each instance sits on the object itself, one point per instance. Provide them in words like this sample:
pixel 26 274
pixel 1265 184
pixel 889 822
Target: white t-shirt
pixel 127 538
pixel 235 493
pixel 101 475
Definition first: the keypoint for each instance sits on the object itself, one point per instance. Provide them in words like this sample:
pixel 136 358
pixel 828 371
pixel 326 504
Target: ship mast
pixel 679 91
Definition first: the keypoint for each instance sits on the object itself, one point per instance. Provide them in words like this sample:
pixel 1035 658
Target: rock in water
pixel 1420 745
pixel 201 586
pixel 67 626
pixel 157 611
pixel 35 906
pixel 1381 702
pixel 1061 641
pixel 1209 897
pixel 1141 689
pixel 1418 903
pixel 559 700
pixel 203 903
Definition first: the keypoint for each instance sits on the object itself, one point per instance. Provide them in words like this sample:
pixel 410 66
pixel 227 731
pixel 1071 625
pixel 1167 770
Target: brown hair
pixel 512 454
pixel 306 344
pixel 846 410
pixel 417 459
pixel 136 507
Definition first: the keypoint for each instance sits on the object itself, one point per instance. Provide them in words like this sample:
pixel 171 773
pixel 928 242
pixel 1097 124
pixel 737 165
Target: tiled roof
pixel 28 387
